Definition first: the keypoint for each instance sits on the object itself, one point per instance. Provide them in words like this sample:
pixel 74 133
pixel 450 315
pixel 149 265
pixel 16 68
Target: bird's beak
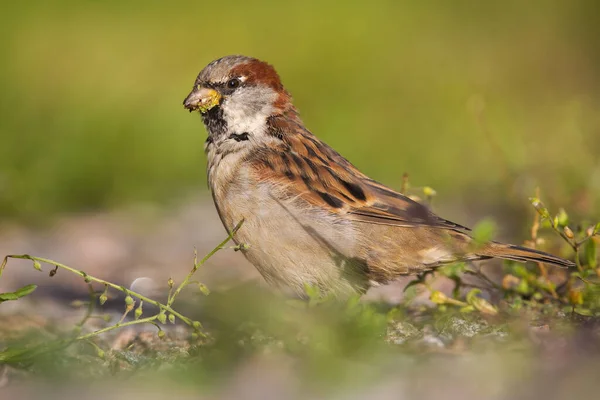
pixel 202 99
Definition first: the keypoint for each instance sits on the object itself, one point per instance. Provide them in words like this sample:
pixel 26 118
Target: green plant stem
pixel 117 326
pixel 571 243
pixel 456 302
pixel 87 277
pixel 197 265
pixel 163 308
pixel 90 307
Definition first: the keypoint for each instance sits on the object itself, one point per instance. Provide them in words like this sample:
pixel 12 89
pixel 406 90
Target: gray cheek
pixel 249 101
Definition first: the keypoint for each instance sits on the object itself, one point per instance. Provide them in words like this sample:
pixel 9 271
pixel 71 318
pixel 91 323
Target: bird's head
pixel 236 95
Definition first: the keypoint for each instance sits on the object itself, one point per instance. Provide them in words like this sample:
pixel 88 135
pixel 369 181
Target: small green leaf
pixel 584 311
pixel 3 265
pixel 162 317
pixel 453 270
pixel 484 231
pixel 562 218
pixel 575 297
pixel 312 291
pixel 37 265
pixel 591 253
pixel 25 290
pixel 203 289
pixel 522 287
pixel 22 292
pixel 139 311
pixel 438 297
pixel 129 300
pixel 472 295
pixel 588 273
pixel 539 207
pixel 521 271
pixel 480 304
pixel 8 296
pixel 100 353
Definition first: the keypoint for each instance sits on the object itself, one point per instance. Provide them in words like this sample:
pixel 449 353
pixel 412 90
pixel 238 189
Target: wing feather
pixel 315 173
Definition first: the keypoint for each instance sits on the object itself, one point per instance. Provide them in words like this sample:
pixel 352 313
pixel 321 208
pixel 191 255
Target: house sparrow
pixel 309 216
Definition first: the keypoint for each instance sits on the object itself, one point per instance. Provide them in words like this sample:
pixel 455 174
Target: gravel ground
pixel 145 247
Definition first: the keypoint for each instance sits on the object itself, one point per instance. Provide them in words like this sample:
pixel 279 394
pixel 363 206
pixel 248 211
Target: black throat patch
pixel 214 121
pixel 239 137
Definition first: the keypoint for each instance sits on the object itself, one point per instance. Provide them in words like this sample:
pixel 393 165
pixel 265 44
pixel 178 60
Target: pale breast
pixel 289 242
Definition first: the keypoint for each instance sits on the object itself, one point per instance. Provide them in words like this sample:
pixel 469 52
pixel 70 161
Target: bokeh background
pixel 471 98
pixel 103 169
pixel 99 161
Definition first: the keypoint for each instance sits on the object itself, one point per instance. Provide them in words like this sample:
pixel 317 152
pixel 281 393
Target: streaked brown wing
pixel 317 174
pixel 393 208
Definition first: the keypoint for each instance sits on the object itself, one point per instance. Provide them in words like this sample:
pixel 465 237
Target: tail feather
pixel 522 254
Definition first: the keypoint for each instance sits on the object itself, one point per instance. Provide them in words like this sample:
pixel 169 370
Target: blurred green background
pixel 483 101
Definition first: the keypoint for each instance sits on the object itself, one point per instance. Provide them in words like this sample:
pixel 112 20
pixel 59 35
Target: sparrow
pixel 309 216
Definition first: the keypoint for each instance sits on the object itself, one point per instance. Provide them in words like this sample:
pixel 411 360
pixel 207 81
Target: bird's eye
pixel 233 83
